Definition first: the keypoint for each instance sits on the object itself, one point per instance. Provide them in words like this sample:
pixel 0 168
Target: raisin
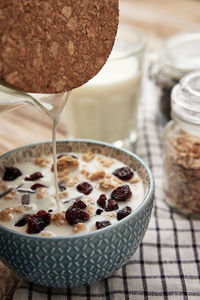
pixel 79 203
pixel 37 185
pixel 11 173
pixel 124 173
pixel 84 188
pixel 123 213
pixel 76 215
pixel 99 211
pixel 102 200
pixel 112 205
pixel 102 224
pixel 22 221
pixel 121 193
pixel 62 186
pixel 37 222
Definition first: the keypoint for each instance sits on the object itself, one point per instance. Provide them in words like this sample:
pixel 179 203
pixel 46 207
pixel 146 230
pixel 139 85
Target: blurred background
pixel 155 19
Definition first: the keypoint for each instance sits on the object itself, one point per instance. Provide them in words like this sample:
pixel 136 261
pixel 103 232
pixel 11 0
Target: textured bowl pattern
pixel 80 259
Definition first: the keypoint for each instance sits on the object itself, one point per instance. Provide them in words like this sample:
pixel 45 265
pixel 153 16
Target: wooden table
pixel 157 19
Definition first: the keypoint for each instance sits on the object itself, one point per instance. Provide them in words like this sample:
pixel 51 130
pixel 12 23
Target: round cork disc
pixel 56 45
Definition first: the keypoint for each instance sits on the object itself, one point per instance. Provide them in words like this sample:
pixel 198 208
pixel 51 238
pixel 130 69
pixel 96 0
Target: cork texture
pixel 54 46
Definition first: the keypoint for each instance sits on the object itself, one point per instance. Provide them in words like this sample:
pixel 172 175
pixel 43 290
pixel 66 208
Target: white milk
pixel 106 107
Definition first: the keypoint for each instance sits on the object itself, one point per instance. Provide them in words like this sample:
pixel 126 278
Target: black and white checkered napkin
pixel 167 263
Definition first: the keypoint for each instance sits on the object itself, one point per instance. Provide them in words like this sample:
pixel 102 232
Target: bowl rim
pixel 137 210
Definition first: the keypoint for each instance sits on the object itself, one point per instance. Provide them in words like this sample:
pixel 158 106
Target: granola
pixel 41 161
pixel 99 174
pixel 182 171
pixel 78 228
pixel 106 184
pixel 41 193
pixel 59 218
pixel 90 194
pixel 88 156
pixel 66 162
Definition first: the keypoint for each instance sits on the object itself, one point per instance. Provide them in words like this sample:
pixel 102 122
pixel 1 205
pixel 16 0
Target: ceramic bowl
pixel 83 258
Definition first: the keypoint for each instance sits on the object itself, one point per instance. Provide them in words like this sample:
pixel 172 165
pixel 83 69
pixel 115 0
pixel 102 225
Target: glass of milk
pixel 106 107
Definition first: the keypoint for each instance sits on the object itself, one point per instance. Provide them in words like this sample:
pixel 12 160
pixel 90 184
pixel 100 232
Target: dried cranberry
pixel 121 193
pixel 37 185
pixel 99 211
pixel 84 188
pixel 102 200
pixel 21 222
pixel 62 186
pixel 37 222
pixel 124 173
pixel 34 176
pixel 11 173
pixel 112 205
pixel 123 213
pixel 102 224
pixel 79 203
pixel 76 215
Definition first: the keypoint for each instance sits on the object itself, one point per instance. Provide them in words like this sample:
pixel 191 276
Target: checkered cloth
pixel 167 263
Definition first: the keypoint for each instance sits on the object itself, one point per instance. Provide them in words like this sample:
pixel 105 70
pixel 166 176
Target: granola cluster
pixel 182 171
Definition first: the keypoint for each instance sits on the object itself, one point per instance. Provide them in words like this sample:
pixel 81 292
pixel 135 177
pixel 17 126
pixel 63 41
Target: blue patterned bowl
pixel 80 259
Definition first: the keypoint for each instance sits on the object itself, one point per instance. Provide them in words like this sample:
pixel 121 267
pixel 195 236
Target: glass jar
pixel 106 107
pixel 182 147
pixel 179 55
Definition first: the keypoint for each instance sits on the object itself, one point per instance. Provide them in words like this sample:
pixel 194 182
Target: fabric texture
pixel 167 263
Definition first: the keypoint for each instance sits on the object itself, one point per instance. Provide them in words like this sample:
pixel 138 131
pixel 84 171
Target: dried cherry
pixel 124 173
pixel 79 203
pixel 11 173
pixel 37 185
pixel 102 200
pixel 37 222
pixel 121 193
pixel 123 212
pixel 102 224
pixel 76 215
pixel 84 187
pixel 112 205
pixel 34 176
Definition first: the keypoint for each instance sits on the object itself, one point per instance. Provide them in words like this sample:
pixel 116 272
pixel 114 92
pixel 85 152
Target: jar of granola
pixel 182 147
pixel 179 55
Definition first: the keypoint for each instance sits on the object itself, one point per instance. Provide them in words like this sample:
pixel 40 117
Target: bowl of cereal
pixel 85 231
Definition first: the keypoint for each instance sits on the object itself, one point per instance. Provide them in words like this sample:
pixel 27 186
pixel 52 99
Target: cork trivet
pixel 56 45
